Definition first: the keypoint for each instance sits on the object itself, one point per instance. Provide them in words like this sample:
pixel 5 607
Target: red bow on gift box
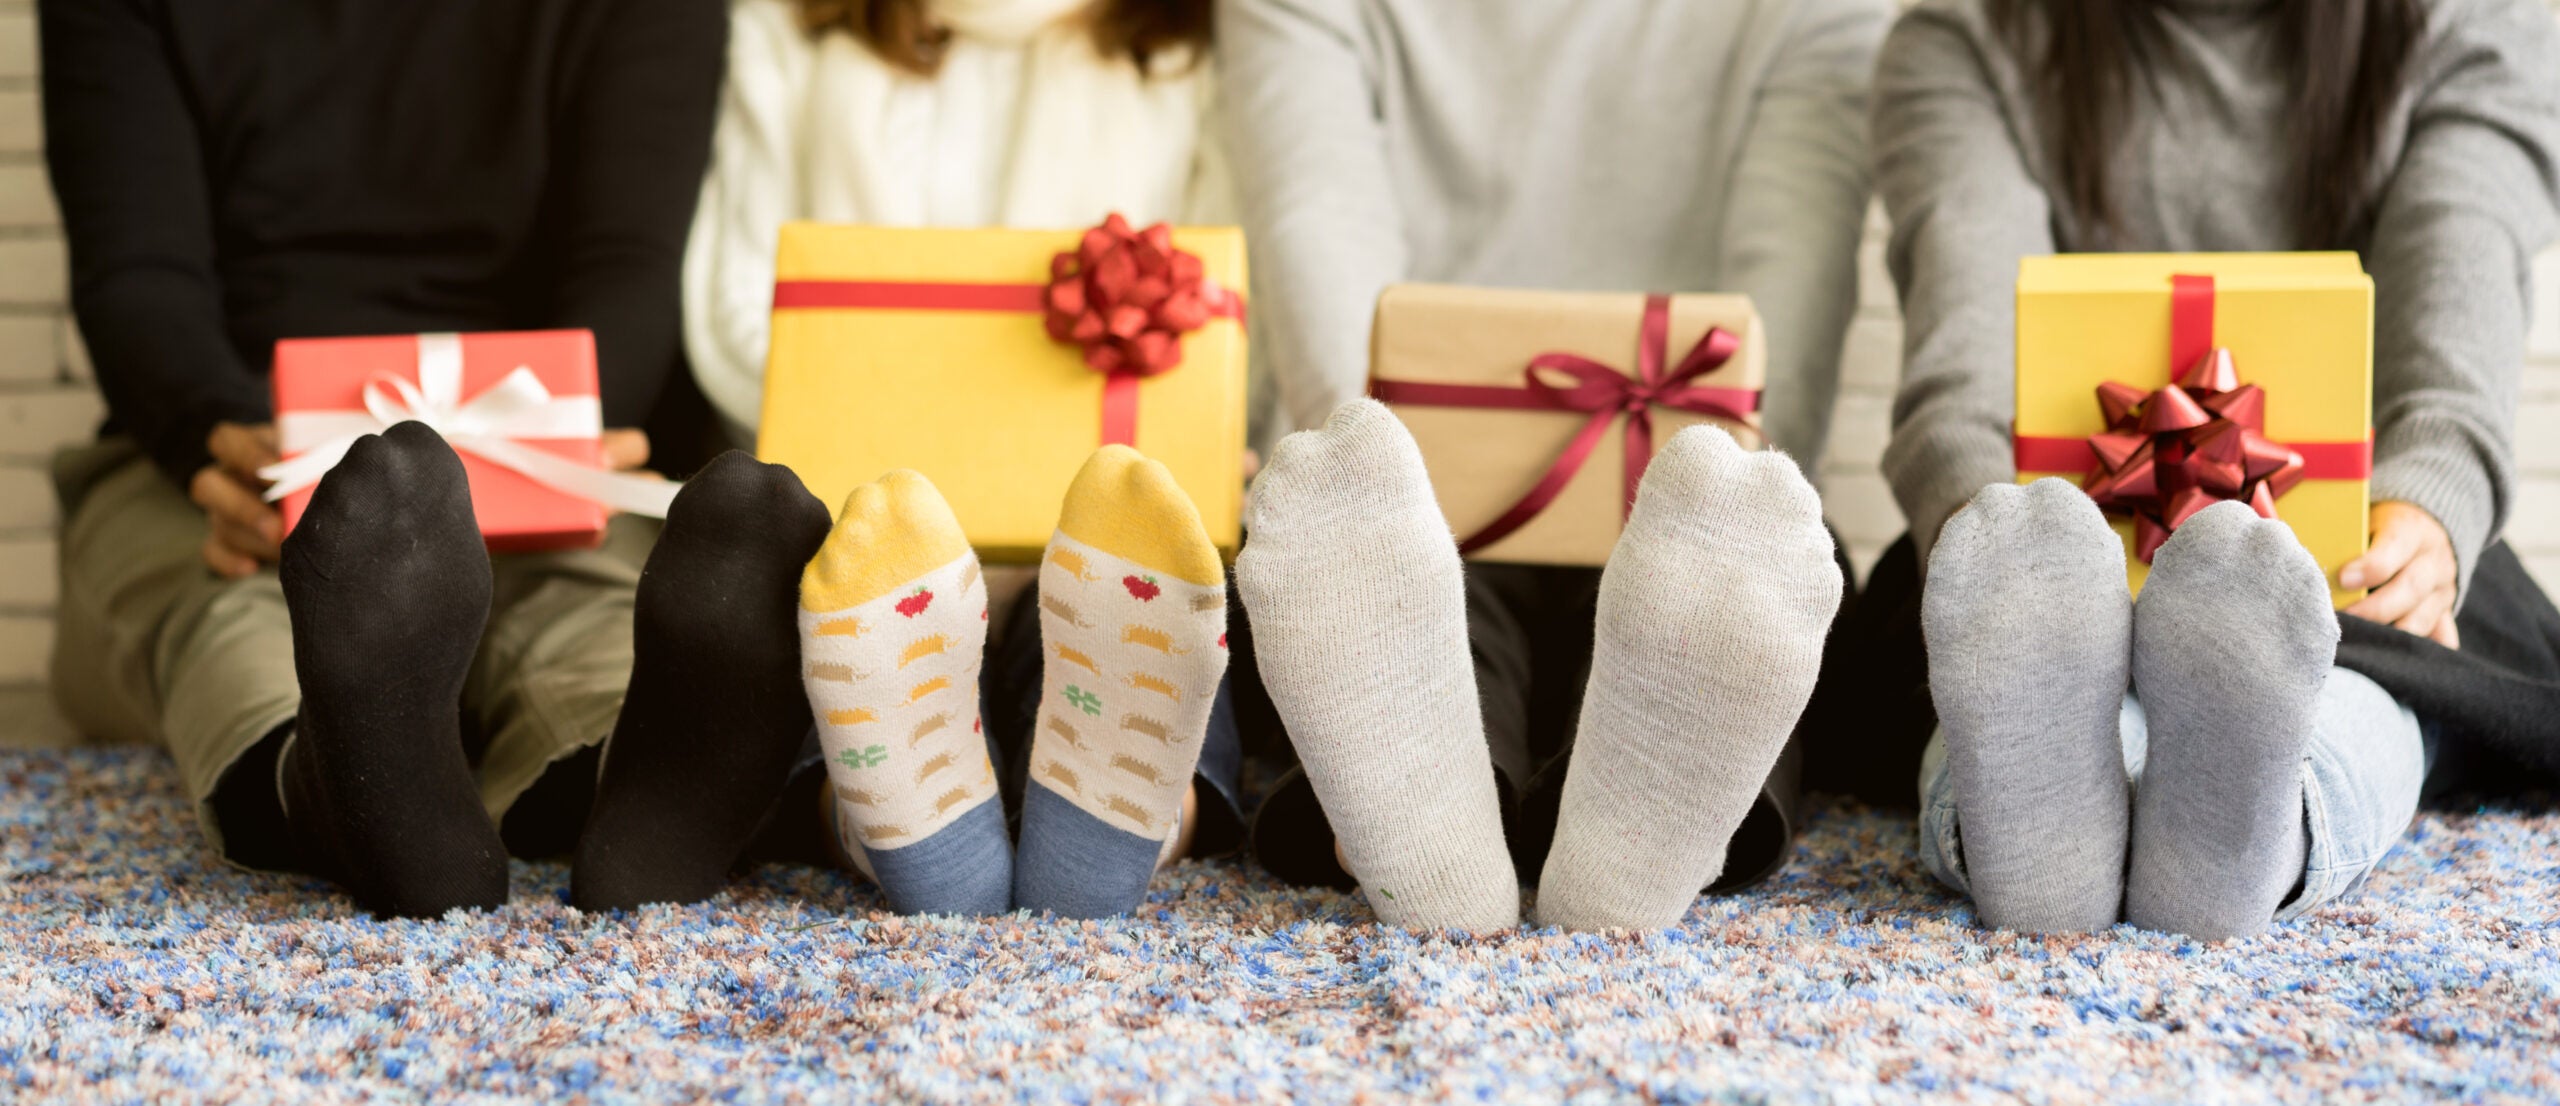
pixel 1127 296
pixel 2193 443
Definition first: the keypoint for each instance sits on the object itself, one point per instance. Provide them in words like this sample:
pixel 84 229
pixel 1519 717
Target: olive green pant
pixel 153 647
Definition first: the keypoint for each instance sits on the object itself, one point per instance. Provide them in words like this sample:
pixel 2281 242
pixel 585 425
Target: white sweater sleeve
pixel 751 190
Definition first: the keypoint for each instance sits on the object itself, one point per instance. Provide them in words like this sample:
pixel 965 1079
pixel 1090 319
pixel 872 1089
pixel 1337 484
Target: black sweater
pixel 232 172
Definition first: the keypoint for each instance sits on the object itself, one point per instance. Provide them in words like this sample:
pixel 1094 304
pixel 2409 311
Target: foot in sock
pixel 1353 586
pixel 1713 610
pixel 388 585
pixel 1133 618
pixel 2232 640
pixel 2030 632
pixel 714 716
pixel 893 630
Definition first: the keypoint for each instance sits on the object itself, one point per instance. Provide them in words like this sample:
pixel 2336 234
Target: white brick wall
pixel 45 401
pixel 42 404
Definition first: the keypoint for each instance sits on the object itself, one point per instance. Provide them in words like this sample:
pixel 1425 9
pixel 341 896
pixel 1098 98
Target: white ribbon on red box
pixel 485 426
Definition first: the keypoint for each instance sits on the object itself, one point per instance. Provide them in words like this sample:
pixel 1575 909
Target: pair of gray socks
pixel 2033 642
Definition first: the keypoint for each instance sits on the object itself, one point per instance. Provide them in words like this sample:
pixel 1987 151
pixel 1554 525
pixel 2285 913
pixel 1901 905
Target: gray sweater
pixel 2468 181
pixel 1665 145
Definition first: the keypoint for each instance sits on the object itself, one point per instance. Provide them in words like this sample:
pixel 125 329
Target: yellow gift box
pixel 2101 336
pixel 928 349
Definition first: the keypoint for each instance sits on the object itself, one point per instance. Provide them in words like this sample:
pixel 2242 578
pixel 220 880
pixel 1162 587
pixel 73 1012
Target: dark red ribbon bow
pixel 1127 297
pixel 2193 443
pixel 1607 394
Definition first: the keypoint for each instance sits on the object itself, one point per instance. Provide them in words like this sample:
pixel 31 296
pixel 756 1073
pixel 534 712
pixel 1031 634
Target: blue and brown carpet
pixel 136 967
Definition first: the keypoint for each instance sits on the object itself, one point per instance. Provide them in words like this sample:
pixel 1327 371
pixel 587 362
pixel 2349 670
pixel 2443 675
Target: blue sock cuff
pixel 964 868
pixel 1076 865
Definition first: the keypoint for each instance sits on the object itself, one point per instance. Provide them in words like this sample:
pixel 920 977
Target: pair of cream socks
pixel 1133 631
pixel 1713 611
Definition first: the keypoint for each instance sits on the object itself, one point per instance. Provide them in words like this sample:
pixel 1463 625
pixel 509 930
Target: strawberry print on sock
pixel 915 603
pixel 1144 587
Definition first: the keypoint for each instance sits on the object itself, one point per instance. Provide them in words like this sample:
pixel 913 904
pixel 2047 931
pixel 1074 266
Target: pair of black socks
pixel 389 587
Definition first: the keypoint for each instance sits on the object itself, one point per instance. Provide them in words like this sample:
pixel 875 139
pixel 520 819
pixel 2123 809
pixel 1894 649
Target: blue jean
pixel 2361 772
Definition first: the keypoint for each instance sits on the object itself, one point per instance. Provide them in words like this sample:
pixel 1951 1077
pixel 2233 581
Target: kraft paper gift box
pixel 1538 411
pixel 2165 383
pixel 948 352
pixel 520 409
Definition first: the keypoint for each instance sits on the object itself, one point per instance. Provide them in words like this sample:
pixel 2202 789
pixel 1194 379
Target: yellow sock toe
pixel 891 531
pixel 1129 506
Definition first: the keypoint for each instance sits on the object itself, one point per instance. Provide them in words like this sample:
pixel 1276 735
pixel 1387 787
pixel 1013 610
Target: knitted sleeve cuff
pixel 1935 474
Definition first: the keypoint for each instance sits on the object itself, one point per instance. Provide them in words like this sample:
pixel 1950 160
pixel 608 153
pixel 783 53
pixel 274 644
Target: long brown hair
pixel 2345 62
pixel 904 34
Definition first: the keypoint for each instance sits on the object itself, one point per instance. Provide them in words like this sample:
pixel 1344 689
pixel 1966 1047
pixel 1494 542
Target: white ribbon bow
pixel 517 406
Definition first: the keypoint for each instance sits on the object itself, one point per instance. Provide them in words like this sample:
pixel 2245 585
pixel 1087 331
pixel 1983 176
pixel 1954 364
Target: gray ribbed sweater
pixel 2469 190
pixel 1667 145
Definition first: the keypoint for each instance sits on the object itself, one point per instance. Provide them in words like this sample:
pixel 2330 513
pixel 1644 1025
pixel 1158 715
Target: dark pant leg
pixel 1871 717
pixel 2494 703
pixel 1530 630
pixel 1009 706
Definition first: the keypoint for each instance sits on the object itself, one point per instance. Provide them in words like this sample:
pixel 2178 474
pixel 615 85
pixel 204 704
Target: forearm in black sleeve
pixel 637 143
pixel 136 210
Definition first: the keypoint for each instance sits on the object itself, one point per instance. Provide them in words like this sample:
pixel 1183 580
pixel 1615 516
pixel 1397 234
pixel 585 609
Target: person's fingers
pixel 223 561
pixel 2392 601
pixel 248 537
pixel 243 450
pixel 2446 633
pixel 2392 548
pixel 1252 463
pixel 625 450
pixel 255 526
pixel 2434 608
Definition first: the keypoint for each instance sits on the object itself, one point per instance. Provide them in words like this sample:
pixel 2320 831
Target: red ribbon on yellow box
pixel 1607 394
pixel 1125 296
pixel 2194 442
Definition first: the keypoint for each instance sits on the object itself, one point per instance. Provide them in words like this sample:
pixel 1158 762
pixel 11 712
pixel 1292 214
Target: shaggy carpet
pixel 135 967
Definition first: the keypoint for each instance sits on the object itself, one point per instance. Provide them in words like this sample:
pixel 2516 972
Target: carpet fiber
pixel 133 966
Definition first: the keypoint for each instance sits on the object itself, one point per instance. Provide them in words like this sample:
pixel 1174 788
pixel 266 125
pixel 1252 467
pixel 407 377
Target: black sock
pixel 715 717
pixel 388 584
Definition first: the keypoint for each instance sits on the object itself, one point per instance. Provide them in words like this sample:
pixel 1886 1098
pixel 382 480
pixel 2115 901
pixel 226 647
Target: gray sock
pixel 2232 641
pixel 1712 614
pixel 2030 634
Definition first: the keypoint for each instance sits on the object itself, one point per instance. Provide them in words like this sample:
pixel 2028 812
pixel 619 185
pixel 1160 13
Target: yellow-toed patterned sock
pixel 1133 630
pixel 893 630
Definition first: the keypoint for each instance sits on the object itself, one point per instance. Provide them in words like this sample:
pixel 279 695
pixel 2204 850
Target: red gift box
pixel 520 409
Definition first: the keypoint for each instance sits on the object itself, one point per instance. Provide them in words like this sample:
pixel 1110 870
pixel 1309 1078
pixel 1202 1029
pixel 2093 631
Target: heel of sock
pixel 1076 865
pixel 966 868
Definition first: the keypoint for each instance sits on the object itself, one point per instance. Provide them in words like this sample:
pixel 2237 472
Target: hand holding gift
pixel 244 531
pixel 2412 571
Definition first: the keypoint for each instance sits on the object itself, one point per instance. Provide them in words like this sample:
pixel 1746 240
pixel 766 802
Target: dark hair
pixel 903 33
pixel 2345 62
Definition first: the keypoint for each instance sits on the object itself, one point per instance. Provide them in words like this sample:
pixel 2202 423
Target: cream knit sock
pixel 1359 617
pixel 893 631
pixel 1712 615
